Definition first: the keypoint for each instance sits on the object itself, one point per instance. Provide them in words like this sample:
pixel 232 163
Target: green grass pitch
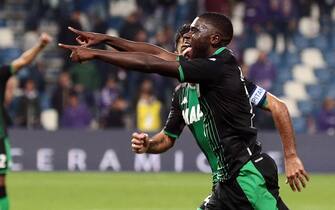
pixel 140 191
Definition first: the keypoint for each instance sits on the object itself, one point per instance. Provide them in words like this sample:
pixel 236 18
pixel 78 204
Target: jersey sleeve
pixel 200 69
pixel 175 122
pixel 257 94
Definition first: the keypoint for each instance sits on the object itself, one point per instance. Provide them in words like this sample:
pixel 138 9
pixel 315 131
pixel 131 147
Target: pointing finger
pixel 69 47
pixel 75 30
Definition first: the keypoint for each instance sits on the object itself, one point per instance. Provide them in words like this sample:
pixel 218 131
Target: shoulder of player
pixel 226 56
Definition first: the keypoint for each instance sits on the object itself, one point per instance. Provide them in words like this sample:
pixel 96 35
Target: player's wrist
pixel 150 145
pixel 42 45
pixel 289 155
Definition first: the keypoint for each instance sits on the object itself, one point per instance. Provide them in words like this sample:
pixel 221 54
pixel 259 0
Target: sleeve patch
pixel 257 95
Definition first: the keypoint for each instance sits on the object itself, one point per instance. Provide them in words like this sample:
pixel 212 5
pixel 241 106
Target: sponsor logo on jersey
pixel 192 114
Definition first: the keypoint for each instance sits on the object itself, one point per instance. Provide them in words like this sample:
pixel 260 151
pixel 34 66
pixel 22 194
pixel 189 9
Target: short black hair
pixel 181 31
pixel 222 23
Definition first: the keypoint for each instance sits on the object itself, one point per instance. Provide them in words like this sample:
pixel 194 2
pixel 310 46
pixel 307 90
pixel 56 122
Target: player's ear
pixel 216 40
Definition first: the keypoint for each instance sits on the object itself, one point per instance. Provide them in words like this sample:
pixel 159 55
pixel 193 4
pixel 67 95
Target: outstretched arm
pixel 295 171
pixel 28 56
pixel 136 61
pixel 159 143
pixel 87 39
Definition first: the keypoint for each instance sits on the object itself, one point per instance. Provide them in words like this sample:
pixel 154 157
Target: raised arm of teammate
pixel 28 56
pixel 159 143
pixel 295 172
pixel 87 39
pixel 136 61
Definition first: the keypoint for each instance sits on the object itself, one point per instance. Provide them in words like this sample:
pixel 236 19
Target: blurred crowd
pixel 97 95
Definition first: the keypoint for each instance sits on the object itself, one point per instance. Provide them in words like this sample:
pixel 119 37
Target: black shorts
pixel 5 156
pixel 255 187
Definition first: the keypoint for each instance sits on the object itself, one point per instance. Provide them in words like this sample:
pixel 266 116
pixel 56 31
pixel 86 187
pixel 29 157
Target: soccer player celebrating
pixel 5 73
pixel 246 178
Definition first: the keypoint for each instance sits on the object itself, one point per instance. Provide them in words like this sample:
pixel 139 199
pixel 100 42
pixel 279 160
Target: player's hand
pixel 78 53
pixel 45 39
pixel 140 142
pixel 87 39
pixel 296 175
pixel 187 53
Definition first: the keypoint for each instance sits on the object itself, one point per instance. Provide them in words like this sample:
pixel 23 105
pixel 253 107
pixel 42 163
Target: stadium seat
pixel 309 27
pixel 122 8
pixel 239 10
pixel 250 56
pixel 238 26
pixel 292 106
pixel 281 44
pixel 304 74
pixel 49 119
pixel 7 38
pixel 264 42
pixel 113 32
pixel 315 12
pixel 295 90
pixel 313 58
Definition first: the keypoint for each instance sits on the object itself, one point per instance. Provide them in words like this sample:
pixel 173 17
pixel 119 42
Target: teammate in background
pixel 226 111
pixel 5 73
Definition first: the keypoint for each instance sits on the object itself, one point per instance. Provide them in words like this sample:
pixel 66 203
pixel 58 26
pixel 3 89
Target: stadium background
pixel 286 46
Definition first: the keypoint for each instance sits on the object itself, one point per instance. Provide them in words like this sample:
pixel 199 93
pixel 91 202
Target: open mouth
pixel 185 46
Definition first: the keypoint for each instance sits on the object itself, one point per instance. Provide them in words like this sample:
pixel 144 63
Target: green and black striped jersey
pixel 5 74
pixel 180 115
pixel 218 111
